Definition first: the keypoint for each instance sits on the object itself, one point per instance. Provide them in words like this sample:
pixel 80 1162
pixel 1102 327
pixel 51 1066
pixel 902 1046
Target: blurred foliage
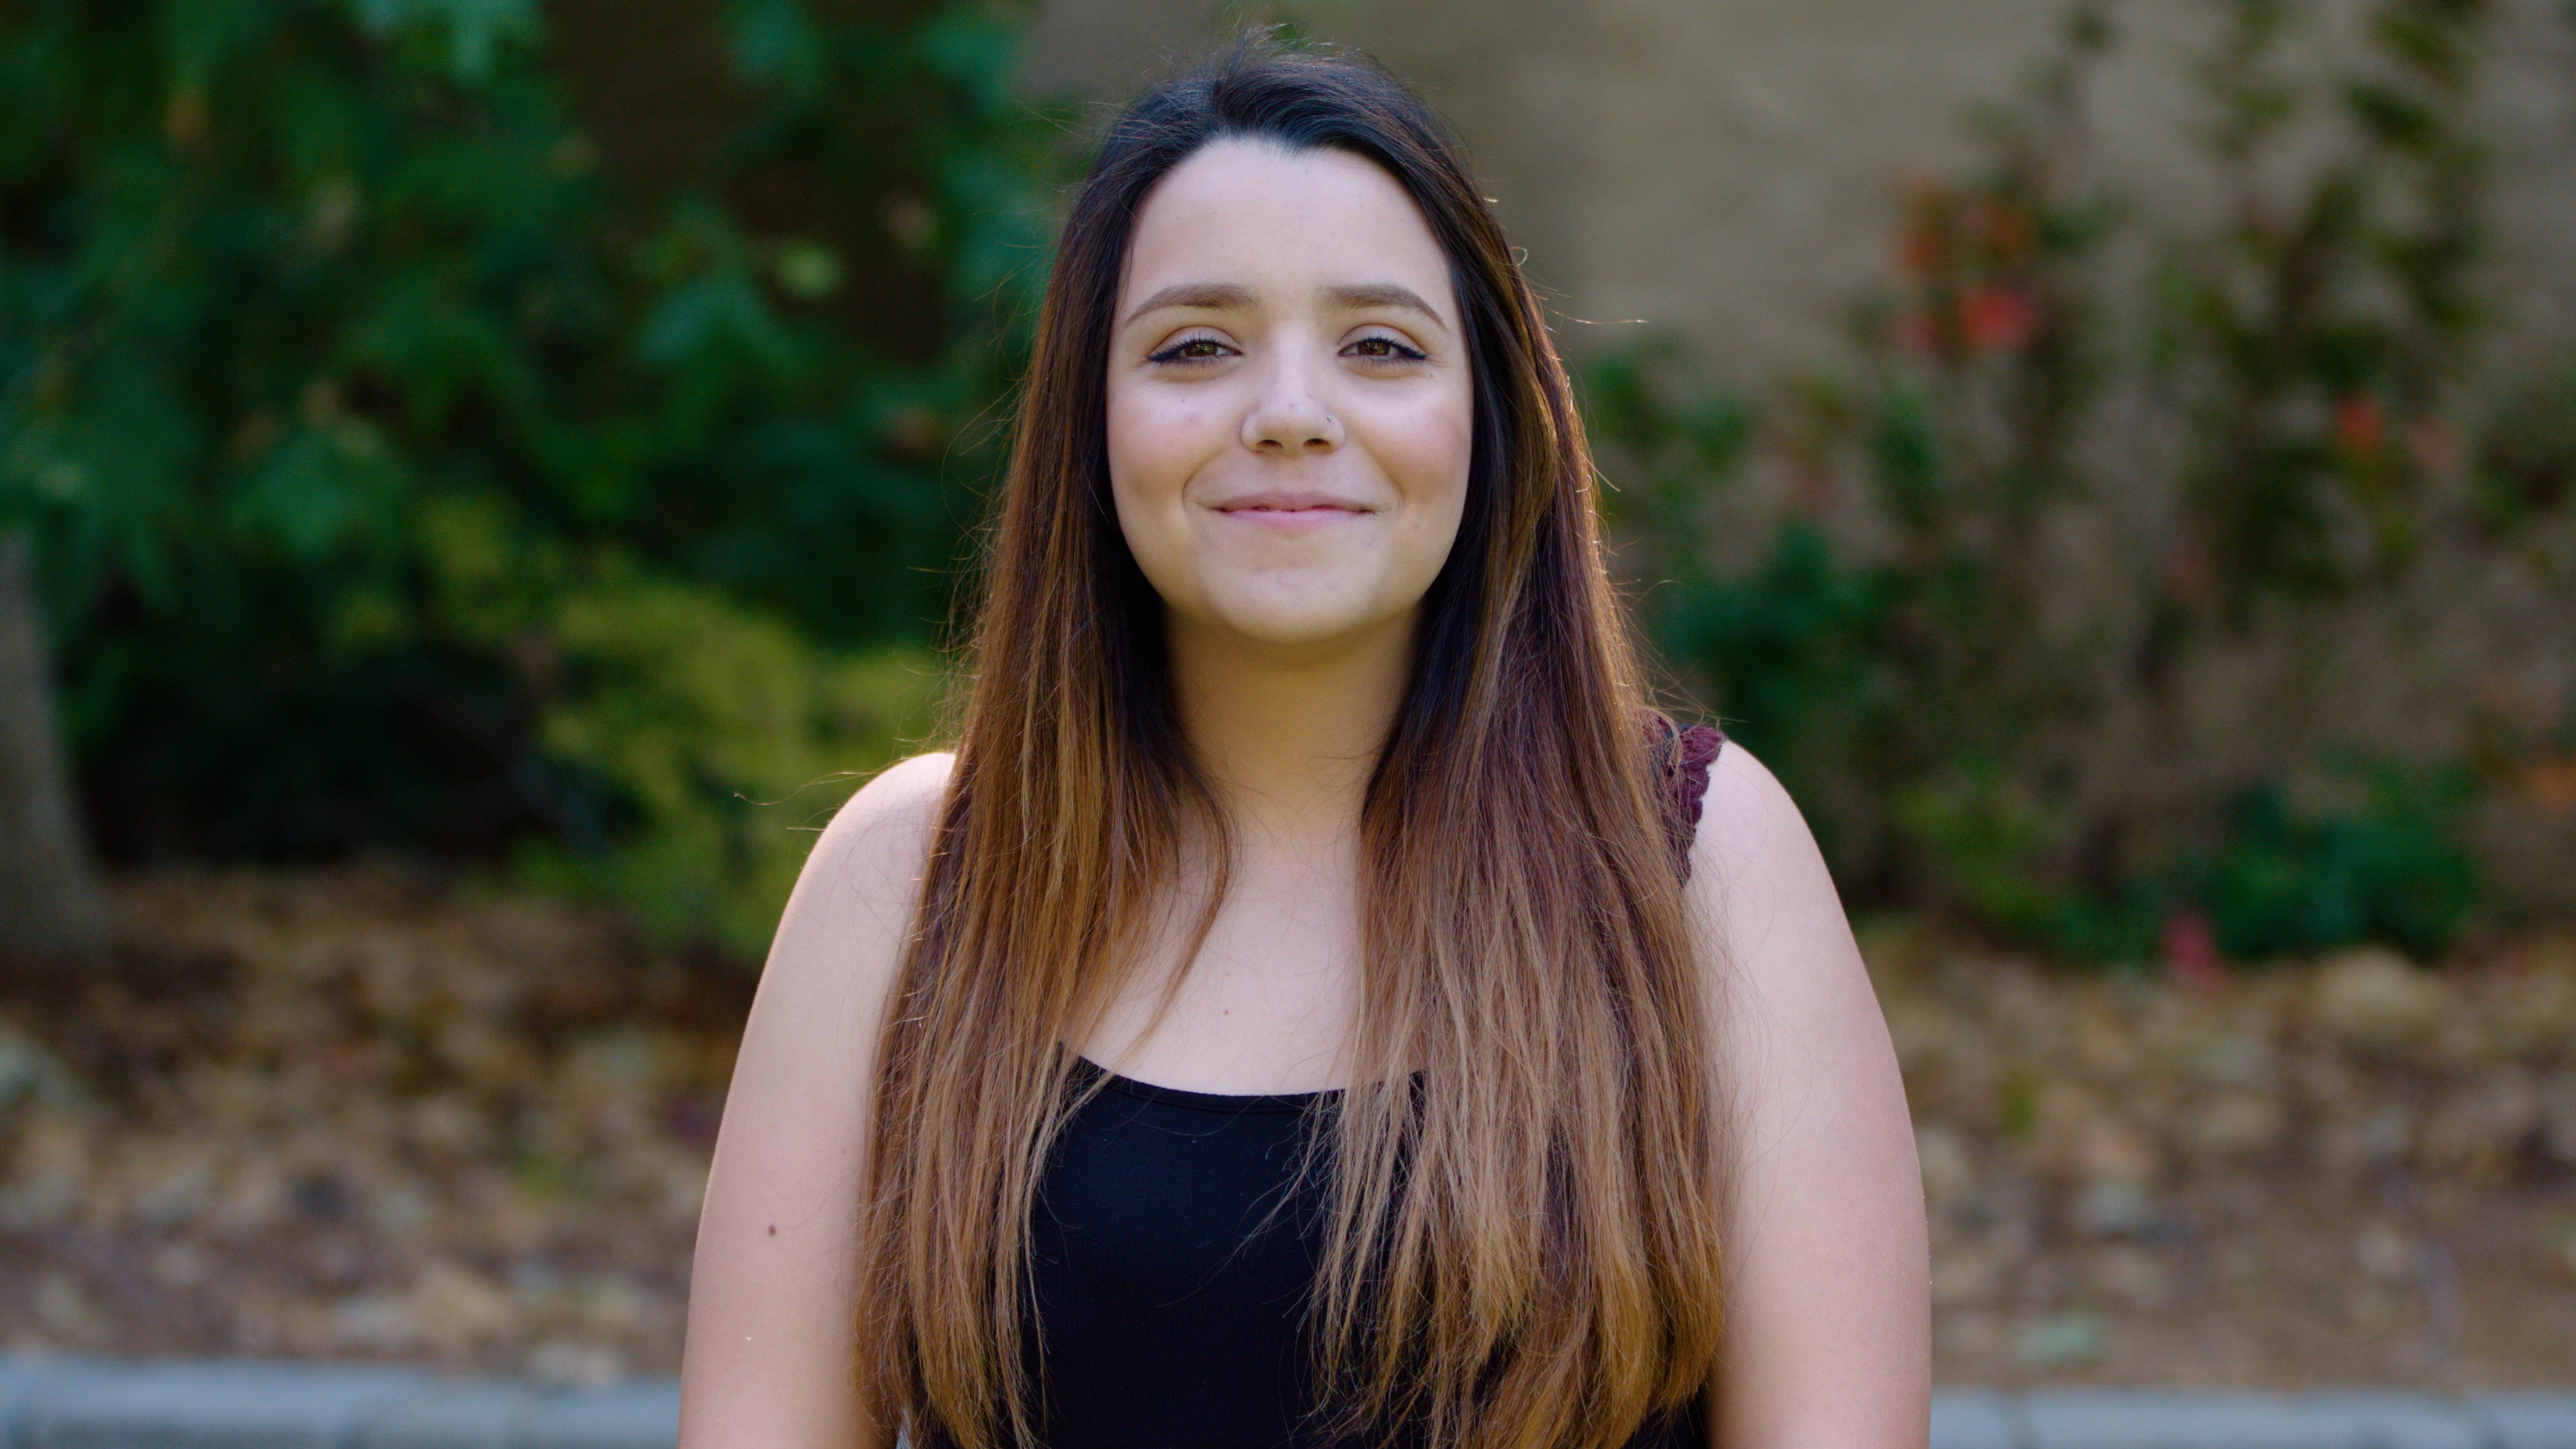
pixel 2274 880
pixel 709 731
pixel 408 473
pixel 1893 647
pixel 2311 340
pixel 2526 466
pixel 403 478
pixel 2288 880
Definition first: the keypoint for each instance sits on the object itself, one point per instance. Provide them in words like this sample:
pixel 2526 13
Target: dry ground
pixel 364 1114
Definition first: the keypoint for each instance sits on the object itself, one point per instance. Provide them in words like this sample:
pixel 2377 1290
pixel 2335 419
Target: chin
pixel 1303 624
pixel 1296 633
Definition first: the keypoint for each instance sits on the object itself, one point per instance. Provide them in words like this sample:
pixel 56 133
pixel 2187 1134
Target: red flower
pixel 1997 319
pixel 2361 429
pixel 2191 951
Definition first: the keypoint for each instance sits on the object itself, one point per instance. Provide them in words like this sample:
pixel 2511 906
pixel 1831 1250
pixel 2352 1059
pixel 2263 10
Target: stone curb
pixel 2330 1419
pixel 243 1404
pixel 99 1404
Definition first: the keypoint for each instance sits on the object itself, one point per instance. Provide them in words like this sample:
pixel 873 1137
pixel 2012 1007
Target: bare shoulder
pixel 1758 876
pixel 881 835
pixel 865 871
pixel 904 795
pixel 774 1282
pixel 840 942
pixel 1798 1018
pixel 1828 1337
pixel 1746 812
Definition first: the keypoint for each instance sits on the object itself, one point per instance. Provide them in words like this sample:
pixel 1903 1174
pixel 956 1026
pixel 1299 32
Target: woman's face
pixel 1290 412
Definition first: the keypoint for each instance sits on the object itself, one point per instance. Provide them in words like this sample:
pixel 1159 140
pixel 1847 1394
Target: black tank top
pixel 1174 1240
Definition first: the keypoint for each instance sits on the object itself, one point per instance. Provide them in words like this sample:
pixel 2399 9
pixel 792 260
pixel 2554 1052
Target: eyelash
pixel 1404 352
pixel 1173 352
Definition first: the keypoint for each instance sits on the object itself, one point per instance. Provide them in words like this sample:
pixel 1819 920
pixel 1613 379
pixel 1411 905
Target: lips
pixel 1288 502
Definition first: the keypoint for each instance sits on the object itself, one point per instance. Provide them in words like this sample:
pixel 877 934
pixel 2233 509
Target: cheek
pixel 1157 441
pixel 1427 455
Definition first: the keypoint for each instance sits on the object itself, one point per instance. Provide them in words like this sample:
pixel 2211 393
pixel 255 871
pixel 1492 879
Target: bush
pixel 2296 881
pixel 2037 497
pixel 404 479
pixel 717 735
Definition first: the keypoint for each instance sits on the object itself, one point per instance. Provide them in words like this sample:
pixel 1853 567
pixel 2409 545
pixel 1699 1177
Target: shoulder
pixel 1766 900
pixel 877 842
pixel 807 1049
pixel 778 1255
pixel 899 806
pixel 1828 1330
pixel 853 902
pixel 1745 817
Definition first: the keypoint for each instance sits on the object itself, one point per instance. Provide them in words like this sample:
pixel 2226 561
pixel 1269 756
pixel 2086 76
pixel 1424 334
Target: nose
pixel 1287 419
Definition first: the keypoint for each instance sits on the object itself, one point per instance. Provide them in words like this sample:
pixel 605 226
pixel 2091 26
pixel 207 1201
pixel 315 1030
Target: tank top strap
pixel 1683 756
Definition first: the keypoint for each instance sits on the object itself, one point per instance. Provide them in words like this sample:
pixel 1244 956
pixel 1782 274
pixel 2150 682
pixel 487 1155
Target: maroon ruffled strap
pixel 1682 759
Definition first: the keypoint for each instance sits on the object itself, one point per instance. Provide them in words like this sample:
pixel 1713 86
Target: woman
pixel 1286 1019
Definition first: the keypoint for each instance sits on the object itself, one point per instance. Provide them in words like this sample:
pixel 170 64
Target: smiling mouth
pixel 1291 508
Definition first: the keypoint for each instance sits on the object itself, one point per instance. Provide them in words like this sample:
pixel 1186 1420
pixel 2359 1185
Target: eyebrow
pixel 1200 296
pixel 1382 294
pixel 1225 296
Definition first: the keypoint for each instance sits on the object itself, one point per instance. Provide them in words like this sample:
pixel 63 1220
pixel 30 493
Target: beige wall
pixel 1730 168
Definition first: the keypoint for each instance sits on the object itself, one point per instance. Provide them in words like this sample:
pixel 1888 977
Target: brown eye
pixel 1190 349
pixel 1381 348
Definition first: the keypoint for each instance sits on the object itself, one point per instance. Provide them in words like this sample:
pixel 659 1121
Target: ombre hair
pixel 1523 1250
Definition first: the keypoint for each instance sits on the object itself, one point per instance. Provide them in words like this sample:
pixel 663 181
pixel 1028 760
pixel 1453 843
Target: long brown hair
pixel 1523 1250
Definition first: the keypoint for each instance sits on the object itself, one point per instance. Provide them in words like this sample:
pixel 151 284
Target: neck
pixel 1289 736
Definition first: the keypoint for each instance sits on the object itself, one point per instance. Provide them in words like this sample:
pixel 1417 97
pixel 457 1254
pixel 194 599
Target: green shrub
pixel 1904 650
pixel 403 478
pixel 2288 881
pixel 722 737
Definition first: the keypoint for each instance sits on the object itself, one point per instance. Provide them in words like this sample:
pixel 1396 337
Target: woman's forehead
pixel 1282 228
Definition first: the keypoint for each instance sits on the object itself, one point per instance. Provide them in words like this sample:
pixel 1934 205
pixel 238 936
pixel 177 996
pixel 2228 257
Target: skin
pixel 1290 414
pixel 1288 409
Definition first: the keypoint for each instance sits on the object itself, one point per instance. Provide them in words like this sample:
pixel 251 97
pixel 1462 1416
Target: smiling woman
pixel 1302 1011
pixel 1291 413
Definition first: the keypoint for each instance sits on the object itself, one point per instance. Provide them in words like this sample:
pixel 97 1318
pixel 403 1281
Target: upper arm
pixel 1828 1332
pixel 770 1351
